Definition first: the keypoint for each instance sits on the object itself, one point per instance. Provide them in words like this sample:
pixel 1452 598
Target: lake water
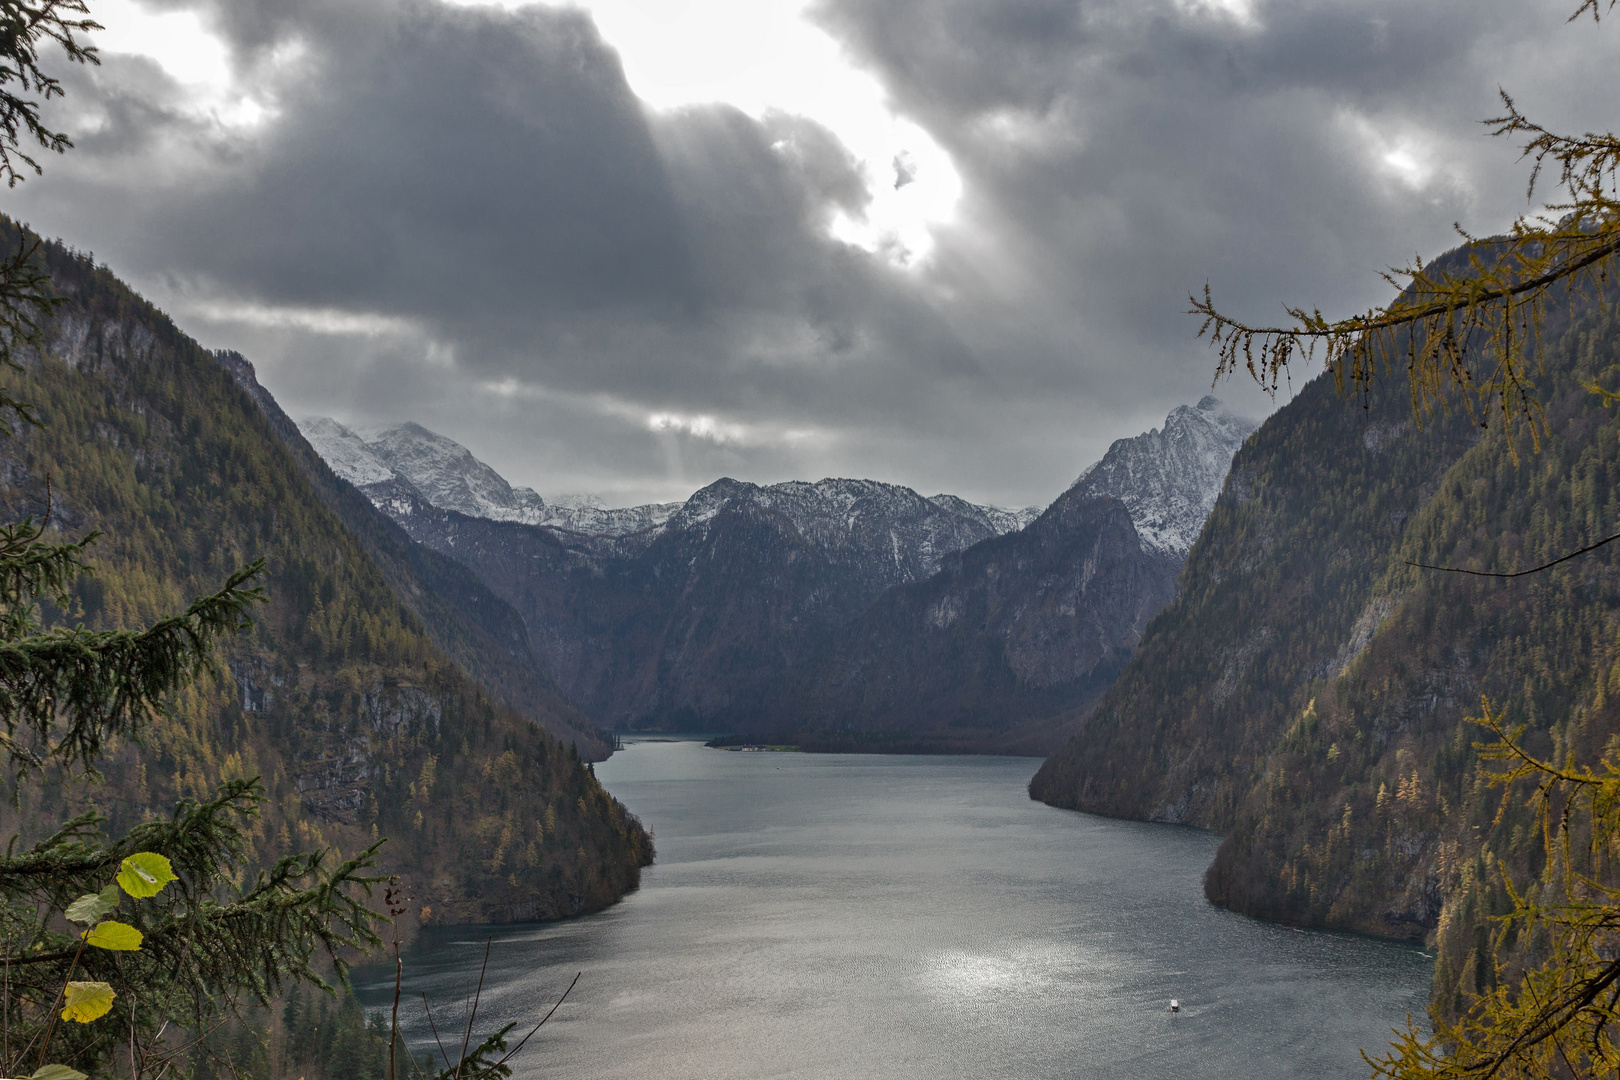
pixel 911 917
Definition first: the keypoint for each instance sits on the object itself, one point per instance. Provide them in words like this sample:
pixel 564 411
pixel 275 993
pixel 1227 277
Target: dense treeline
pixel 1323 729
pixel 359 725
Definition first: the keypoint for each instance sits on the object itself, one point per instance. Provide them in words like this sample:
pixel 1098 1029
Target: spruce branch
pixel 87 686
pixel 25 26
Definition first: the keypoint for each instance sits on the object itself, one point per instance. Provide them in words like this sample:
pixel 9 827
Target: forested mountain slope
pixel 1306 693
pixel 479 630
pixel 358 723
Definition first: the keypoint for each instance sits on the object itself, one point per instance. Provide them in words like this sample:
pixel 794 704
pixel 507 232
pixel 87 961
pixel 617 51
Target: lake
pixel 893 916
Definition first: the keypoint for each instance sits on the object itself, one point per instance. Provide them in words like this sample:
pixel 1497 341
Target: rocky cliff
pixel 1170 477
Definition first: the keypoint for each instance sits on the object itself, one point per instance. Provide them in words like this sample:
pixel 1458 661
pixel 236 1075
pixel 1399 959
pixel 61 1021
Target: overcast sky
pixel 630 246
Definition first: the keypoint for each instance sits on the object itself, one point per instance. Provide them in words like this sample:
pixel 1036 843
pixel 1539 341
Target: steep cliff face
pixel 1311 511
pixel 358 724
pixel 1307 693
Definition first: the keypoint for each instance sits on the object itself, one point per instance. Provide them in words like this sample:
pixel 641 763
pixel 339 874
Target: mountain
pixel 1169 478
pixel 408 462
pixel 696 621
pixel 359 724
pixel 1016 635
pixel 403 466
pixel 1306 695
pixel 834 613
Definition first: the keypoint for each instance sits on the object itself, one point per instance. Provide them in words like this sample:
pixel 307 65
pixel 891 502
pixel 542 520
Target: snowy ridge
pixel 345 452
pixel 999 518
pixel 865 517
pixel 1169 478
pixel 398 467
pixel 399 464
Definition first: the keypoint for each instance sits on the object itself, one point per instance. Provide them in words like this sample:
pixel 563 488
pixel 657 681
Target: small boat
pixel 1175 1006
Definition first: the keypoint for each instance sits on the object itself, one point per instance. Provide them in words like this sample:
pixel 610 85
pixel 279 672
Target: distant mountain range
pixel 1014 637
pixel 406 463
pixel 738 608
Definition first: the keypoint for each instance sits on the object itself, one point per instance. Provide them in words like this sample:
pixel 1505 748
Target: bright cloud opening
pixel 1411 158
pixel 764 55
pixel 1238 11
pixel 183 45
pixel 699 427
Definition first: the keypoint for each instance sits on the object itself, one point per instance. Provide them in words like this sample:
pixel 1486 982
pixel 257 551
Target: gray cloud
pixel 464 217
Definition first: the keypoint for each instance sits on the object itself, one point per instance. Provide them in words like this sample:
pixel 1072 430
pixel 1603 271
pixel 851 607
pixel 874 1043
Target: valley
pixel 844 613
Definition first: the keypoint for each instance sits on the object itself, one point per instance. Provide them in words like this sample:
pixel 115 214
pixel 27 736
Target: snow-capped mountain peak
pixel 1169 478
pixel 446 475
pixel 346 452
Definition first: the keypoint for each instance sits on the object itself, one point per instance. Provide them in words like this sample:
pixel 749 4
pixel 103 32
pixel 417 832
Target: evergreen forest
pixel 358 724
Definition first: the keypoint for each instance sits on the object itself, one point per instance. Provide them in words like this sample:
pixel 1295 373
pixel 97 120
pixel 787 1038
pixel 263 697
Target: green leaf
pixel 93 906
pixel 145 874
pixel 116 936
pixel 57 1072
pixel 86 1001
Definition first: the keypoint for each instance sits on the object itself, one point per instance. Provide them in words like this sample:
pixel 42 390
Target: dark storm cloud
pixel 492 176
pixel 463 216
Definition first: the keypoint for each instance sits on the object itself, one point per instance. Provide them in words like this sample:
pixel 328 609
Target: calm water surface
pixel 912 917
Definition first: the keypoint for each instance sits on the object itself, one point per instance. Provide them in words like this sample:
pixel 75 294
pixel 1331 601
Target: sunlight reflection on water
pixel 859 916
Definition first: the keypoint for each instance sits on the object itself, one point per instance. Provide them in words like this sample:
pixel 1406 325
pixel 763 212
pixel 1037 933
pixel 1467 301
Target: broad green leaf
pixel 85 1001
pixel 93 906
pixel 57 1072
pixel 117 936
pixel 144 874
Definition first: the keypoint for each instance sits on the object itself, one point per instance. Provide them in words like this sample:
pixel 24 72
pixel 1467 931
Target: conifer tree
pixel 197 933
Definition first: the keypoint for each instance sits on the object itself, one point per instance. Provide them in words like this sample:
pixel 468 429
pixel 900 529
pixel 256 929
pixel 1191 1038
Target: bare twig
pixel 435 1029
pixel 543 1019
pixel 473 1015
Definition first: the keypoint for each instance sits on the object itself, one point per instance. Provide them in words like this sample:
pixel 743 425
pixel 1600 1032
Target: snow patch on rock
pixel 408 459
pixel 1169 478
pixel 395 465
